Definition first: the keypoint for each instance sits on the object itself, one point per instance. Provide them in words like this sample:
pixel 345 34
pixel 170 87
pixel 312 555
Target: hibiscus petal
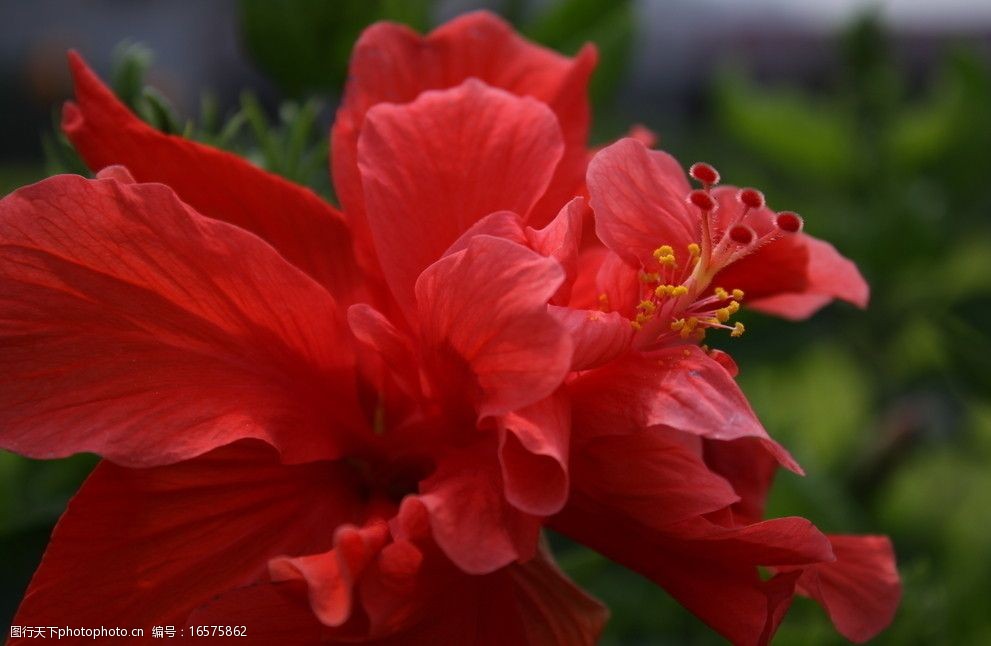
pixel 331 576
pixel 533 453
pixel 531 603
pixel 679 387
pixel 708 568
pixel 392 64
pixel 503 224
pixel 134 328
pixel 749 468
pixel 488 304
pixel 470 517
pixel 638 201
pixel 598 337
pixel 555 610
pixel 860 590
pixel 795 276
pixel 307 231
pixel 432 168
pixel 150 545
pixel 560 240
pixel 650 476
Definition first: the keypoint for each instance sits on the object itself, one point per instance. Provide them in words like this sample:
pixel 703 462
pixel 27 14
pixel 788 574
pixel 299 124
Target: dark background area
pixel 872 120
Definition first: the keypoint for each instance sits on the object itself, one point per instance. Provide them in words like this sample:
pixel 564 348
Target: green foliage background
pixel 889 410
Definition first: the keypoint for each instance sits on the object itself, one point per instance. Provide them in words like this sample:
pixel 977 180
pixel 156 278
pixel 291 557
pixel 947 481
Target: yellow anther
pixel 694 249
pixel 699 334
pixel 723 314
pixel 668 260
pixel 733 307
pixel 663 250
pixel 738 330
pixel 738 294
pixel 677 325
pixel 712 321
pixel 650 278
pixel 636 326
pixel 691 322
pixel 643 318
pixel 646 306
pixel 662 290
pixel 685 332
pixel 680 290
pixel 720 293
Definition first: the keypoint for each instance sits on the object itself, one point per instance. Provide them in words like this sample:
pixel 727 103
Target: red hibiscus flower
pixel 279 431
pixel 351 427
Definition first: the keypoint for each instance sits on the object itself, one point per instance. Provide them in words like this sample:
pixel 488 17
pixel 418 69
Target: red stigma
pixel 705 173
pixel 751 198
pixel 741 234
pixel 789 221
pixel 702 200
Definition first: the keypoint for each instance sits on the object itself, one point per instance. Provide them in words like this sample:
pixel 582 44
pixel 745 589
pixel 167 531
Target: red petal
pixel 795 276
pixel 150 545
pixel 392 64
pixel 134 328
pixel 710 569
pixel 533 453
pixel 598 337
pixel 307 231
pixel 529 603
pixel 434 167
pixel 649 476
pixel 331 576
pixel 469 516
pixel 532 603
pixel 488 304
pixel 502 224
pixel 638 201
pixel 860 590
pixel 560 240
pixel 678 387
pixel 555 610
pixel 749 467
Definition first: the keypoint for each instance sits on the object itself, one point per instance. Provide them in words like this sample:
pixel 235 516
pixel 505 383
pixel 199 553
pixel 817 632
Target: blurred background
pixel 871 119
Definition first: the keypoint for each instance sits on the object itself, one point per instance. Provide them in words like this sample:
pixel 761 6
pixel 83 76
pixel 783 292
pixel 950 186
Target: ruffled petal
pixel 432 168
pixel 135 328
pixel 470 517
pixel 332 575
pixel 560 240
pixel 307 231
pixel 533 454
pixel 860 590
pixel 710 569
pixel 487 306
pixel 392 64
pixel 150 545
pixel 679 387
pixel 638 201
pixel 531 603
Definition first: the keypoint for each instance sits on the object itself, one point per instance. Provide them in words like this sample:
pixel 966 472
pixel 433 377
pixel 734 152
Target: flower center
pixel 677 299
